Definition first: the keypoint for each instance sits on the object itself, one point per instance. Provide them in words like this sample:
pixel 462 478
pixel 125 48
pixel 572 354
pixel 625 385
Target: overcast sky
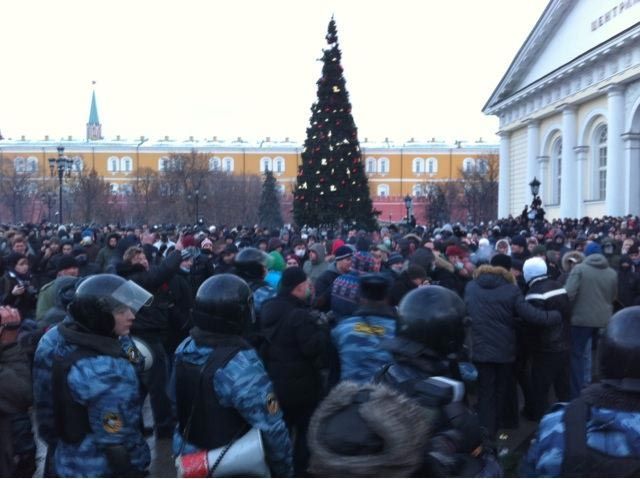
pixel 422 68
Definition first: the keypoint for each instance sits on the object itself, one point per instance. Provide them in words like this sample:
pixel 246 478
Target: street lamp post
pixel 196 196
pixel 536 203
pixel 62 165
pixel 407 204
pixel 535 187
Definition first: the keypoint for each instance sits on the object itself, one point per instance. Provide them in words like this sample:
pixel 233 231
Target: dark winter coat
pixel 494 301
pixel 323 284
pixel 549 295
pixel 628 283
pixel 15 397
pixel 152 322
pixel 400 288
pixel 295 350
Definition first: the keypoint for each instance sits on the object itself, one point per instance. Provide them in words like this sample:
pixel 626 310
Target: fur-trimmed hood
pixel 401 424
pixel 572 256
pixel 485 272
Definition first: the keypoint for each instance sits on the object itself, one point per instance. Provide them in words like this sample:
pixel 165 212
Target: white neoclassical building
pixel 569 111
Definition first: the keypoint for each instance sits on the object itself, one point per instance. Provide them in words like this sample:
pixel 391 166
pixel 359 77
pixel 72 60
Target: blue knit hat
pixel 592 248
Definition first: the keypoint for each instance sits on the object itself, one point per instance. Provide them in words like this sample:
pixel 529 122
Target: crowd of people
pixel 396 352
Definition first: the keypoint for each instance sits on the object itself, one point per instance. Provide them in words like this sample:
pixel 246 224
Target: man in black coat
pixel 152 325
pixel 550 345
pixel 294 352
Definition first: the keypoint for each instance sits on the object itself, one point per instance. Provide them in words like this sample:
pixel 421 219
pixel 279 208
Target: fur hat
pixel 501 260
pixel 365 431
pixel 533 268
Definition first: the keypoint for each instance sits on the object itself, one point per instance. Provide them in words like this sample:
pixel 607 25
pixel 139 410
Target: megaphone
pixel 245 458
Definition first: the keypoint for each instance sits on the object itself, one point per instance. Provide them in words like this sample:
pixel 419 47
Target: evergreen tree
pixel 332 186
pixel 269 214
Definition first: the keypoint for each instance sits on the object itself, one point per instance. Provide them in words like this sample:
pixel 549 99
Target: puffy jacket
pixel 494 301
pixel 549 295
pixel 592 286
pixel 296 349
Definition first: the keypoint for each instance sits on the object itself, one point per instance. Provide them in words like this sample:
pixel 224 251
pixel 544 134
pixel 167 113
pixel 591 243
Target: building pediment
pixel 565 31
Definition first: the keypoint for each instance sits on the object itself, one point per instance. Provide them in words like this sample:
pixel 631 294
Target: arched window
pixel 32 164
pixel 112 164
pixel 601 163
pixel 371 165
pixel 163 163
pixel 126 163
pixel 383 165
pixel 215 164
pixel 432 166
pixel 556 168
pixel 417 190
pixel 468 165
pixel 483 166
pixel 278 164
pixel 78 164
pixel 19 164
pixel 418 165
pixel 266 164
pixel 383 190
pixel 227 161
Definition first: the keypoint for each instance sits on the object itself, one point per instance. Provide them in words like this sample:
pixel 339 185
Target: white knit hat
pixel 533 268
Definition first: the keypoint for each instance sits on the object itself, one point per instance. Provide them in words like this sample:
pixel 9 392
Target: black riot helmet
pixel 433 316
pixel 620 353
pixel 251 264
pixel 98 297
pixel 224 304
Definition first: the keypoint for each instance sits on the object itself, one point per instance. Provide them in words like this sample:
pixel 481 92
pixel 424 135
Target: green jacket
pixel 592 287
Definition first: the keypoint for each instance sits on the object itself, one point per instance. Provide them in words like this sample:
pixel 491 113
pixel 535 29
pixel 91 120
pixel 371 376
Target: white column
pixel 615 160
pixel 543 166
pixel 533 150
pixel 569 178
pixel 504 187
pixel 581 153
pixel 632 173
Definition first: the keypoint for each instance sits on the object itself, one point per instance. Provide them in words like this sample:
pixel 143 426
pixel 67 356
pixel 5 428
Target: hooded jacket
pixel 314 270
pixel 592 286
pixel 546 293
pixel 494 301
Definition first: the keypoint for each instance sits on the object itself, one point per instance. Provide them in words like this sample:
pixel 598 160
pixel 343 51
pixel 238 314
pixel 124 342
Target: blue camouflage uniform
pixel 260 295
pixel 110 389
pixel 244 385
pixel 615 433
pixel 357 340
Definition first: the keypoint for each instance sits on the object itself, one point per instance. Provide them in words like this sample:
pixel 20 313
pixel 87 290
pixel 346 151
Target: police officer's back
pixel 219 384
pixel 429 339
pixel 597 434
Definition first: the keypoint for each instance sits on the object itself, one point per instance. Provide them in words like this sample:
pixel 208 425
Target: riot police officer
pixel 429 339
pixel 596 434
pixel 86 385
pixel 219 384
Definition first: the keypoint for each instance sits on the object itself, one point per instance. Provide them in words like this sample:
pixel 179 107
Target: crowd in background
pixel 498 269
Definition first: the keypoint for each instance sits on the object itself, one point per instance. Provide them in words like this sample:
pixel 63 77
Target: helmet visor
pixel 132 296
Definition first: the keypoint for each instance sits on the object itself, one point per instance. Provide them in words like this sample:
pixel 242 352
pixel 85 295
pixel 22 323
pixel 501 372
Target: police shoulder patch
pixel 112 422
pixel 272 404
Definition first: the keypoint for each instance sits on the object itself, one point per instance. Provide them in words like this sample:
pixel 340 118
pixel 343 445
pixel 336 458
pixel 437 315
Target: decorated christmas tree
pixel 269 214
pixel 332 187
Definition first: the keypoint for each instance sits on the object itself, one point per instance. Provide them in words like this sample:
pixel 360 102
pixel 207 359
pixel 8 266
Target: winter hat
pixel 362 262
pixel 455 250
pixel 206 243
pixel 519 240
pixel 501 260
pixel 12 260
pixel 367 430
pixel 374 287
pixel 66 261
pixel 592 248
pixel 292 277
pixel 533 268
pixel 483 242
pixel 275 262
pixel 343 252
pixel 395 258
pixel 363 244
pixel 337 244
pixel 186 254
